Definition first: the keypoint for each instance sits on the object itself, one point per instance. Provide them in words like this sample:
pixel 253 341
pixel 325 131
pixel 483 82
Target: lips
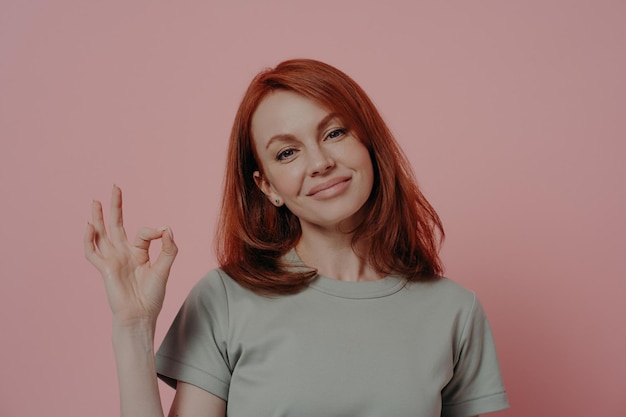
pixel 326 185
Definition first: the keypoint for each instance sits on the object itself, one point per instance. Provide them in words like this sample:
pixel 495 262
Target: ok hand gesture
pixel 135 287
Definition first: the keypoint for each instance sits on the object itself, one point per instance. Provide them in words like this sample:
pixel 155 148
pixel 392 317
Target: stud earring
pixel 277 201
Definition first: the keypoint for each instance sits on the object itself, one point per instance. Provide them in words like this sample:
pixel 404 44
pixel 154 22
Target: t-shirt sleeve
pixel 476 386
pixel 194 349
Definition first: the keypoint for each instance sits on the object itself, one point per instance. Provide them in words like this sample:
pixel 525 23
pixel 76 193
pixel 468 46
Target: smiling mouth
pixel 327 185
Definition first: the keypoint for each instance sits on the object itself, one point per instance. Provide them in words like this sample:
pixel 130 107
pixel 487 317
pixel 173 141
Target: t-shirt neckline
pixel 357 290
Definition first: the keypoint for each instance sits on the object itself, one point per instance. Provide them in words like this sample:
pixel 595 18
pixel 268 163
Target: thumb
pixel 168 253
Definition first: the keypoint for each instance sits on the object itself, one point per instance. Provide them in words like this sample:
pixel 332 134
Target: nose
pixel 320 161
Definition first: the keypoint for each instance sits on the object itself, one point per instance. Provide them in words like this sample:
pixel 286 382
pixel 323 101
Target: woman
pixel 328 300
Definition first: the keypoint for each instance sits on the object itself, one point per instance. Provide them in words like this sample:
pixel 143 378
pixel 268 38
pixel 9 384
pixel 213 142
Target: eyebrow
pixel 320 126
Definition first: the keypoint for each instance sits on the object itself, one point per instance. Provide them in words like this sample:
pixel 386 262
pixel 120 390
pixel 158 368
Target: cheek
pixel 370 176
pixel 368 170
pixel 364 161
pixel 287 181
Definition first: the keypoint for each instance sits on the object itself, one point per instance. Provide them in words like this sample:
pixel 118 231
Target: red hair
pixel 402 229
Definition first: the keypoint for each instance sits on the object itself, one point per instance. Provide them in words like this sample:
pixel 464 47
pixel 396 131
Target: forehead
pixel 285 112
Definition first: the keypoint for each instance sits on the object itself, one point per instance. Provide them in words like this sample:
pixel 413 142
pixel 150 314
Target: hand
pixel 135 287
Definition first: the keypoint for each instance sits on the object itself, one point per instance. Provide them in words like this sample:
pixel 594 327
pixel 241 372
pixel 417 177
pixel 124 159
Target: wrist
pixel 134 322
pixel 136 328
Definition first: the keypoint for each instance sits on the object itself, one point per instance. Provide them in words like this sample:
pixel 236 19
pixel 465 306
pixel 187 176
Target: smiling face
pixel 311 161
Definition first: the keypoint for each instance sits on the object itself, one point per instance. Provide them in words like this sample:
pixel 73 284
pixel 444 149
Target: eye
pixel 285 154
pixel 336 133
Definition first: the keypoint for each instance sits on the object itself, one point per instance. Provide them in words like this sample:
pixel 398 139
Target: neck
pixel 332 254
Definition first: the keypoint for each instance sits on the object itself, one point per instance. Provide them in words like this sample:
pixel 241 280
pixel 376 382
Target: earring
pixel 277 201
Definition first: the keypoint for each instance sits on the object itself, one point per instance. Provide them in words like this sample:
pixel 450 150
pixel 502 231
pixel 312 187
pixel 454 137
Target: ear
pixel 267 189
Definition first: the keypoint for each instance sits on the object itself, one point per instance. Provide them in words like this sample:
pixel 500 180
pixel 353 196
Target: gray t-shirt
pixel 366 349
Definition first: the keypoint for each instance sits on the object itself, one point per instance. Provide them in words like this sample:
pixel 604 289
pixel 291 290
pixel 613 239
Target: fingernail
pixel 170 232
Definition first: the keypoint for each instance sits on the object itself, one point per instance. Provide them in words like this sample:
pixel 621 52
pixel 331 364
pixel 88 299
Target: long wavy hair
pixel 402 229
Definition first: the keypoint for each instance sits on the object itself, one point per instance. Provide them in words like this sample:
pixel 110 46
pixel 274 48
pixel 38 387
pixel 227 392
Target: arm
pixel 134 358
pixel 139 393
pixel 191 401
pixel 135 289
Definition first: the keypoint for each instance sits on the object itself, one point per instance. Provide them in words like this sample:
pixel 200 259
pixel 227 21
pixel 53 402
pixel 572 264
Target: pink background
pixel 512 114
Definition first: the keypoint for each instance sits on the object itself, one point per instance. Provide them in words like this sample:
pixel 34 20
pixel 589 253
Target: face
pixel 311 161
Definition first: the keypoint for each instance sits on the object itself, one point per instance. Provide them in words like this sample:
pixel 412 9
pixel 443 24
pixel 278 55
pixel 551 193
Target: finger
pixel 164 261
pixel 116 222
pixel 98 223
pixel 91 251
pixel 145 235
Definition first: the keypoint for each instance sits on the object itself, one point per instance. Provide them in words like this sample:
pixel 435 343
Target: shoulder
pixel 442 290
pixel 447 303
pixel 213 299
pixel 218 284
pixel 210 285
